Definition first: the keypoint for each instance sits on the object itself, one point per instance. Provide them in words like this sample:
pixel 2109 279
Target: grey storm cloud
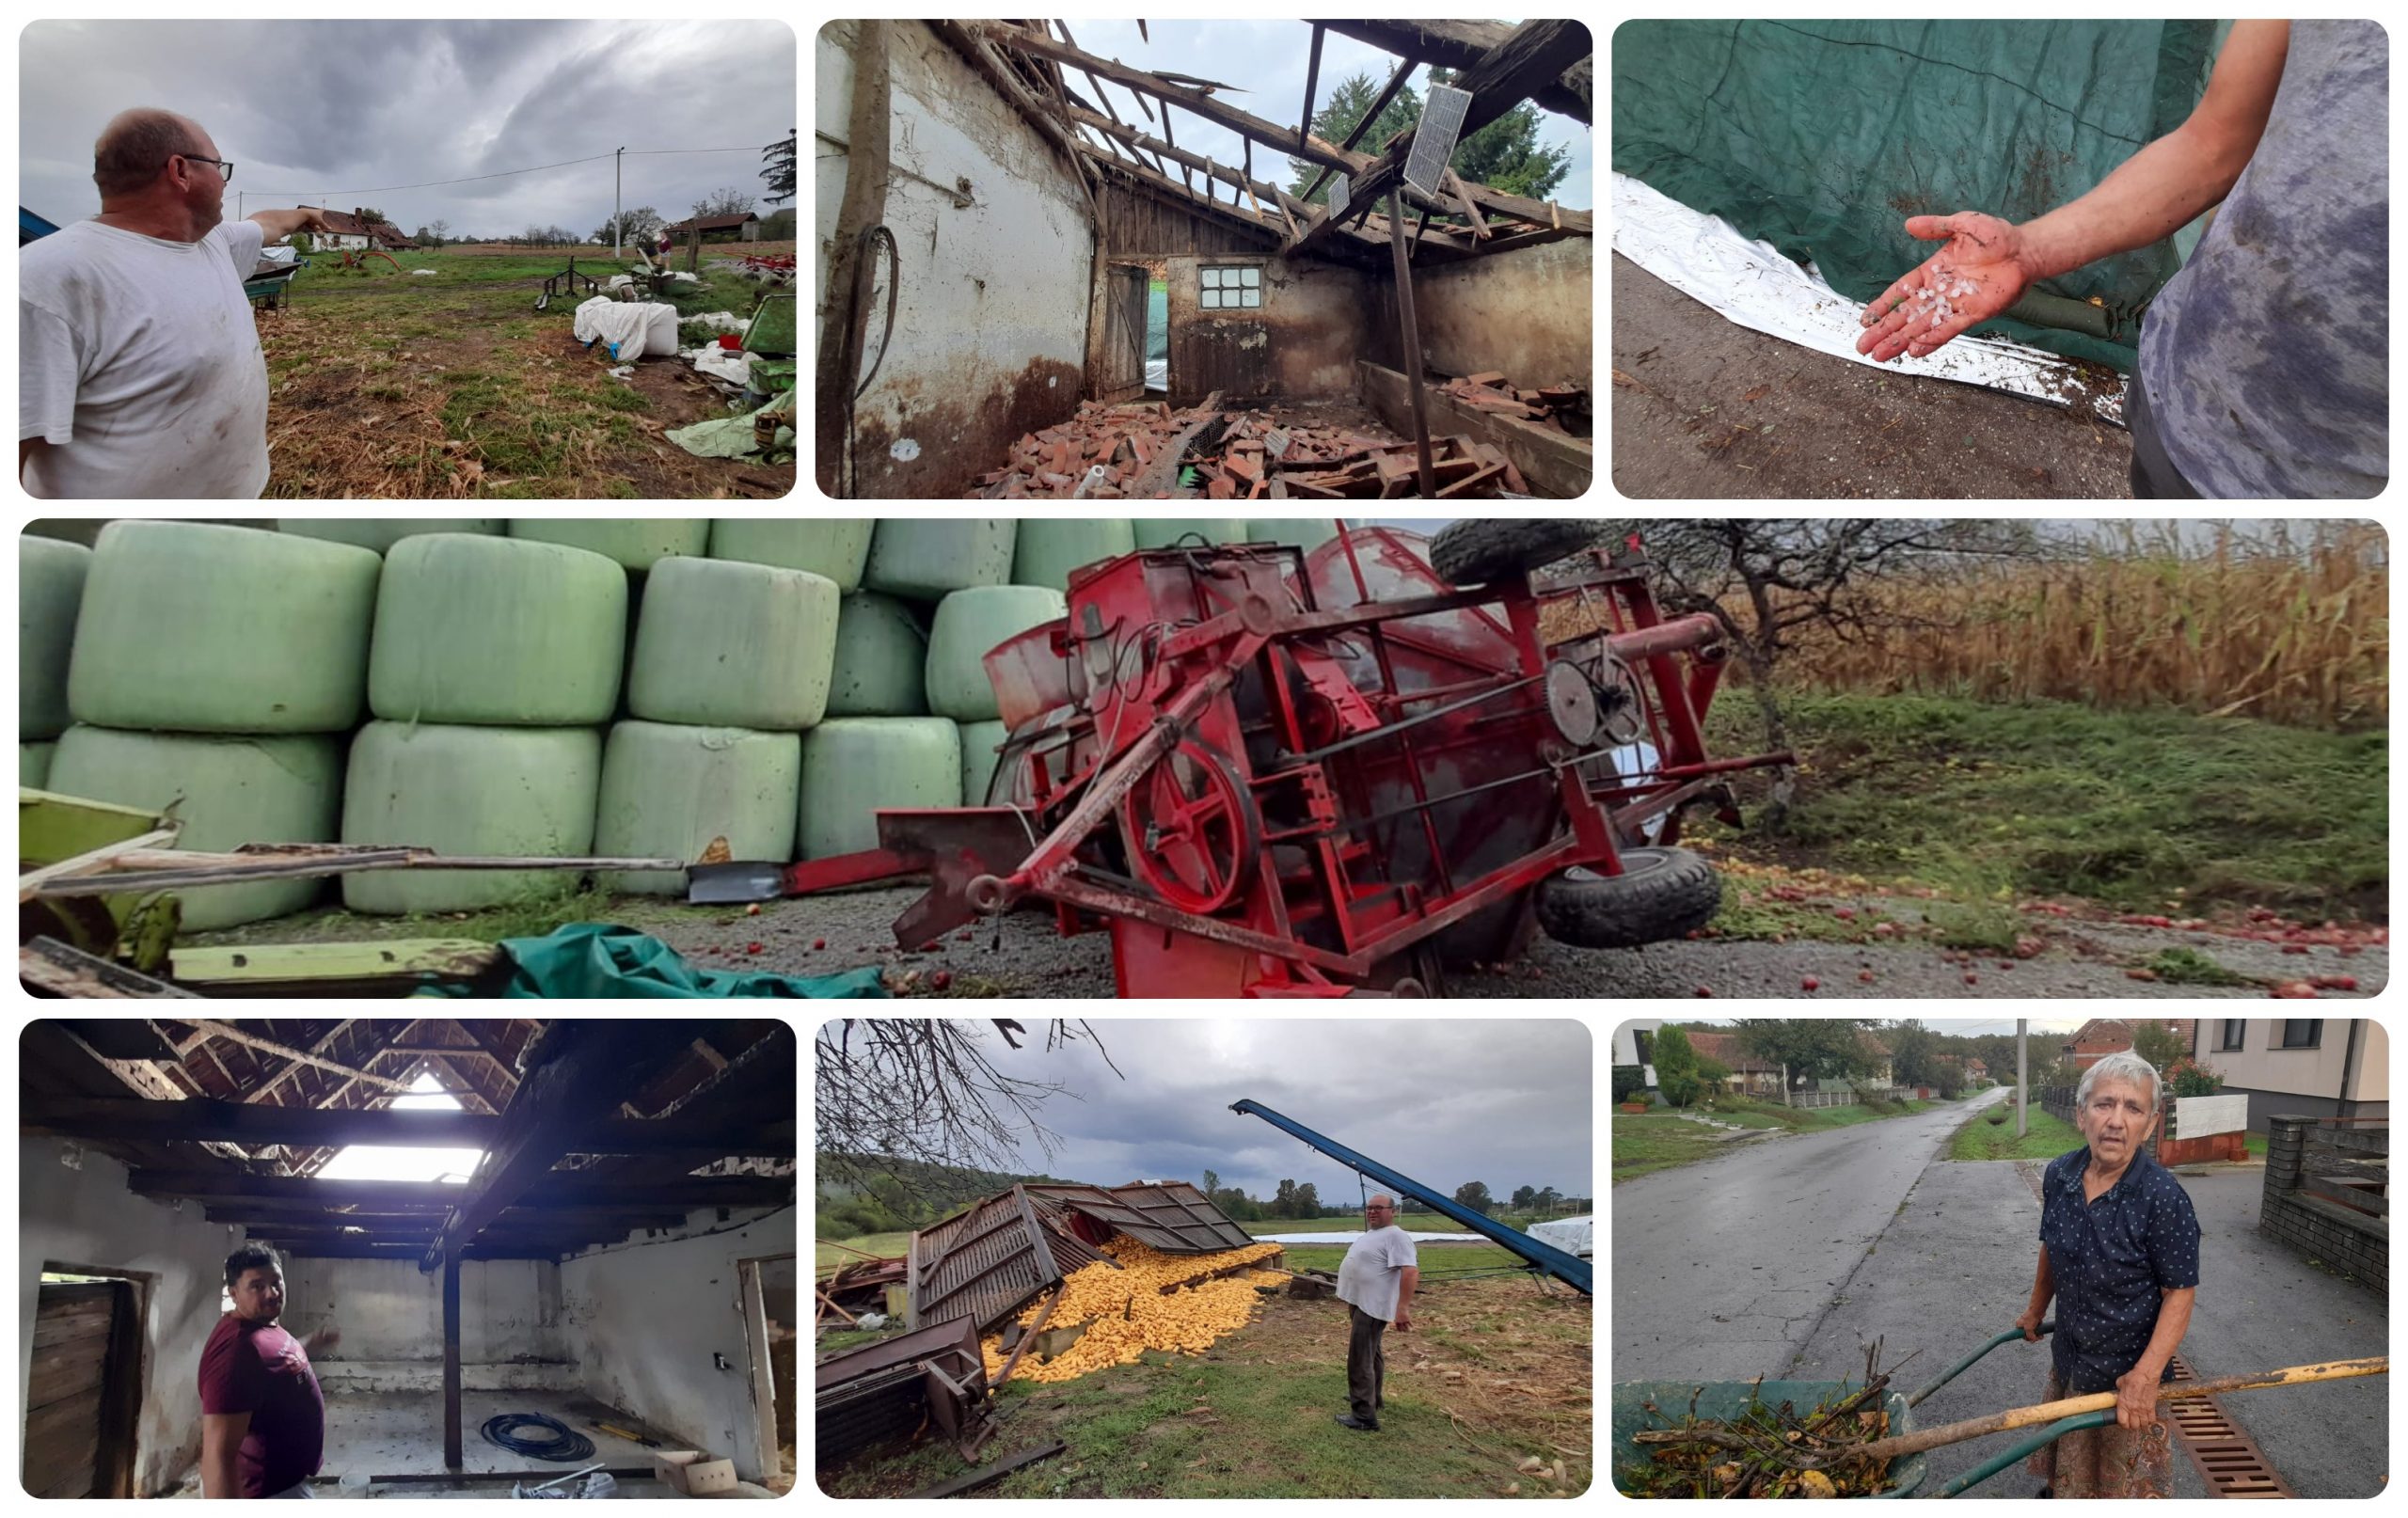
pixel 340 108
pixel 1506 1101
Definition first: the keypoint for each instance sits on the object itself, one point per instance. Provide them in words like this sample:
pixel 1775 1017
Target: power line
pixel 506 173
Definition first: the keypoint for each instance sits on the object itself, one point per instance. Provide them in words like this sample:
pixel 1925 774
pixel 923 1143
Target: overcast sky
pixel 1266 60
pixel 329 112
pixel 1497 1099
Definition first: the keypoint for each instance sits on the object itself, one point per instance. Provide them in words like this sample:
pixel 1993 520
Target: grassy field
pixel 1659 1140
pixel 1493 1370
pixel 386 383
pixel 2140 810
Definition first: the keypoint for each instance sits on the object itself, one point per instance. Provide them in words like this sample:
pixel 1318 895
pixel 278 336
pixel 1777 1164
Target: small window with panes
pixel 1230 287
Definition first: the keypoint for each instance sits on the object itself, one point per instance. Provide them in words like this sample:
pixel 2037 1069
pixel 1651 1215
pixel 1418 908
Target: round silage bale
pixel 382 533
pixel 853 765
pixel 1306 532
pixel 33 764
pixel 669 790
pixel 969 625
pixel 880 669
pixel 981 746
pixel 728 644
pixel 525 791
pixel 227 792
pixel 498 632
pixel 837 547
pixel 193 627
pixel 50 588
pixel 1050 547
pixel 929 559
pixel 636 542
pixel 1166 531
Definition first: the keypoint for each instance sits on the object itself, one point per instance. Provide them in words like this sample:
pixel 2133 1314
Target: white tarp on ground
pixel 1574 1236
pixel 1350 1238
pixel 1753 284
pixel 631 328
pixel 285 254
pixel 730 364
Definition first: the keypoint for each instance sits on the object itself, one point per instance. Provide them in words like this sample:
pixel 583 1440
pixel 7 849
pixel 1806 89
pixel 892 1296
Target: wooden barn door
pixel 80 1401
pixel 1122 377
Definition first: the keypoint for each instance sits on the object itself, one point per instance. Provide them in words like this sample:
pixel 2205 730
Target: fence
pixel 2326 1192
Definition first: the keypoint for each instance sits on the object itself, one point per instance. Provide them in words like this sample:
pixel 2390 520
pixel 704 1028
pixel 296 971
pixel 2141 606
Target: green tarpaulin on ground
pixel 601 960
pixel 732 437
pixel 1822 136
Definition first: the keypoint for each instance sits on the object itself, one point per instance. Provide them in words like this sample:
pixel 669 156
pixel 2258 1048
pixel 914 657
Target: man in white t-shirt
pixel 139 370
pixel 1375 1281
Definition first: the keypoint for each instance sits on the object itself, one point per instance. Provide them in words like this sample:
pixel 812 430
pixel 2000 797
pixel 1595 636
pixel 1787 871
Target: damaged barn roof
pixel 997 1255
pixel 1544 61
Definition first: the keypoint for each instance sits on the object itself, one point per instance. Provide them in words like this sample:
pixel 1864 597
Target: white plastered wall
pixel 390 1315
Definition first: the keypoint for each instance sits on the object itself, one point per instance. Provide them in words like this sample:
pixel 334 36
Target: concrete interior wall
pixel 389 1311
pixel 990 324
pixel 73 1207
pixel 1531 312
pixel 643 1321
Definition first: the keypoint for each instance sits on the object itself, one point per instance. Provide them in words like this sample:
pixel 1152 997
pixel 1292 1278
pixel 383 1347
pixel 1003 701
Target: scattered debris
pixel 1563 408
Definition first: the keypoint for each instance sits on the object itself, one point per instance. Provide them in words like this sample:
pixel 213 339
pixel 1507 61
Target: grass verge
pixel 2046 1137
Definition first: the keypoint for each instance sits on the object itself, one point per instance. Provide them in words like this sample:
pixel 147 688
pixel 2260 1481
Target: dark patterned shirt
pixel 2109 1258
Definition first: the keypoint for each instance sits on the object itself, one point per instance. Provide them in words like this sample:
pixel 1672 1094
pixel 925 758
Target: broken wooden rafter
pixel 1461 44
pixel 1312 79
pixel 1104 96
pixel 1379 104
pixel 1462 196
pixel 234 1034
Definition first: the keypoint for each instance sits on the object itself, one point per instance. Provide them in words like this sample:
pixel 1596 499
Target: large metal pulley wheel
pixel 1192 829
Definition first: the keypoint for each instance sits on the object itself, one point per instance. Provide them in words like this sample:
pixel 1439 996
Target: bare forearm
pixel 2044 1285
pixel 219 1477
pixel 2151 194
pixel 279 225
pixel 1406 1280
pixel 2173 1321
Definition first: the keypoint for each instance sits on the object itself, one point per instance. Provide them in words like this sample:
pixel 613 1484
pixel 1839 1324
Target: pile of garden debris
pixel 1149 452
pixel 1562 407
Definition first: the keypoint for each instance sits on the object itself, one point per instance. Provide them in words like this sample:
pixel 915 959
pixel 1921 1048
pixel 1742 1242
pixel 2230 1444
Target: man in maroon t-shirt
pixel 263 1418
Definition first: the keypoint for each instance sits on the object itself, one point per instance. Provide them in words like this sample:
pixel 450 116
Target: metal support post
pixel 1412 355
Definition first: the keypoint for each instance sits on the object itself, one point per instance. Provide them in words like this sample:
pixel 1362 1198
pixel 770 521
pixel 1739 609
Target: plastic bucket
pixel 732 340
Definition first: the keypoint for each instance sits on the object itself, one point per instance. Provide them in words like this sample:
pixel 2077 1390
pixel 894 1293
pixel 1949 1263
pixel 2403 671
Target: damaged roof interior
pixel 993 226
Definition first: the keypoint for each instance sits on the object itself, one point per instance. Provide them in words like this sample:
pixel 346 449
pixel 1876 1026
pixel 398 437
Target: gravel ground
pixel 1716 411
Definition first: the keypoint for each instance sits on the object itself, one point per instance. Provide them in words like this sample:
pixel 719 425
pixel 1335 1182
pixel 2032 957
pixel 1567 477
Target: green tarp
pixel 1822 136
pixel 596 959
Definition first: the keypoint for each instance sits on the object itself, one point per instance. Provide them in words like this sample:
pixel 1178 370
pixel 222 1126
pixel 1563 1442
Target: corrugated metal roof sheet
pixel 1174 1218
pixel 994 1257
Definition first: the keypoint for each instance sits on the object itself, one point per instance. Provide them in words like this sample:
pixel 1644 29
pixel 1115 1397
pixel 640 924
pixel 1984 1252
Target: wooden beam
pixel 251 1040
pixel 1170 190
pixel 1379 104
pixel 701 1135
pixel 1462 198
pixel 1461 44
pixel 595 1066
pixel 971 43
pixel 1536 53
pixel 563 1189
pixel 1312 80
pixel 1112 130
pixel 452 1451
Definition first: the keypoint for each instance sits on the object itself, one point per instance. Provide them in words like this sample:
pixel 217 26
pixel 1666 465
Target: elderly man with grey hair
pixel 139 370
pixel 1376 1281
pixel 2119 1250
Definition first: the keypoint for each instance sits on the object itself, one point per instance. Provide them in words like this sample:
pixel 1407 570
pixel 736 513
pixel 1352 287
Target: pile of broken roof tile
pixel 1051 463
pixel 1549 405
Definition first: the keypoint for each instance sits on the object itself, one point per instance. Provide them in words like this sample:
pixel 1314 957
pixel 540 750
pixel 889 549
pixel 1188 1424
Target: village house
pixel 350 229
pixel 2309 1067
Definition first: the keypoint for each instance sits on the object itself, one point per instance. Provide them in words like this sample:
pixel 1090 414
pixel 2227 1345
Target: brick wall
pixel 2320 1230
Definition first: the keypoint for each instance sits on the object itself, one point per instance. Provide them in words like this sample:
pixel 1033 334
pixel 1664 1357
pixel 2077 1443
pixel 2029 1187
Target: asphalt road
pixel 1785 1256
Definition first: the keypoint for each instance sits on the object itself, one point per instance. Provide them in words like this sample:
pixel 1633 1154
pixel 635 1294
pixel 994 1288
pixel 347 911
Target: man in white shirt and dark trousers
pixel 1375 1281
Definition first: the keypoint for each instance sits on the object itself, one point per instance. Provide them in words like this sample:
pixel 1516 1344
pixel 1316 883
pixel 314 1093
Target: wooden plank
pixel 29 884
pixel 60 1371
pixel 986 1474
pixel 569 1189
pixel 65 1333
pixel 1461 44
pixel 62 969
pixel 69 1423
pixel 706 1135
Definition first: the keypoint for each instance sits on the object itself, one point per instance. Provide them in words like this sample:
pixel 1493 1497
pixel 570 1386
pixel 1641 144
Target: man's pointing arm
pixel 279 225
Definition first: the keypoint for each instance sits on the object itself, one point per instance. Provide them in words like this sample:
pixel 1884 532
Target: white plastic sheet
pixel 1751 283
pixel 631 328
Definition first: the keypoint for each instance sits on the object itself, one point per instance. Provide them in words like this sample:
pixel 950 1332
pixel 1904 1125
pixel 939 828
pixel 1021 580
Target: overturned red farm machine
pixel 1270 773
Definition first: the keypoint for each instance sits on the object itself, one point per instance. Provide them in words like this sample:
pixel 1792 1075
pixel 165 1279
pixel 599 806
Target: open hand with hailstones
pixel 1979 274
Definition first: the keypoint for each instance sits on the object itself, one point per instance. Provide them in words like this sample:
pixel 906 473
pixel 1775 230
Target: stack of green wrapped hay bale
pixel 50 589
pixel 213 673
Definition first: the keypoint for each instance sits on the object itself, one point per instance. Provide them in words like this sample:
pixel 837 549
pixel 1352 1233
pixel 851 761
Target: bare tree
pixel 728 200
pixel 440 228
pixel 926 1090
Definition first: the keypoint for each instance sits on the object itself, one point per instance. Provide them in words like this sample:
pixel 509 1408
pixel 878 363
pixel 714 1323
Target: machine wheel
pixel 1661 893
pixel 1481 550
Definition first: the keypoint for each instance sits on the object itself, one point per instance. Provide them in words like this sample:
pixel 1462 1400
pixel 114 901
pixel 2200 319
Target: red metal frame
pixel 1268 774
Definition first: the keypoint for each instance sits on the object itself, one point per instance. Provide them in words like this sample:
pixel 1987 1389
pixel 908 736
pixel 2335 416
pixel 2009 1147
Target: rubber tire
pixel 1481 550
pixel 1662 894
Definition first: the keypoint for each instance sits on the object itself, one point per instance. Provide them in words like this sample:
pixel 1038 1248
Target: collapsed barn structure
pixel 989 234
pixel 980 1271
pixel 607 1241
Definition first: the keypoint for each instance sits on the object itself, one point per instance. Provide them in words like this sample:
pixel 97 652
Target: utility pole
pixel 2022 1092
pixel 617 161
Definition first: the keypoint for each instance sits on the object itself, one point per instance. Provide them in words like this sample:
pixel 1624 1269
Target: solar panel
pixel 1338 192
pixel 1434 138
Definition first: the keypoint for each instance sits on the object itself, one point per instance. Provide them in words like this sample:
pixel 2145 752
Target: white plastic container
pixel 636 542
pixel 853 765
pixel 498 632
pixel 1050 547
pixel 981 743
pixel 667 791
pixel 191 627
pixel 926 559
pixel 837 547
pixel 1165 531
pixel 228 792
pixel 50 589
pixel 523 791
pixel 969 625
pixel 728 644
pixel 880 666
pixel 382 533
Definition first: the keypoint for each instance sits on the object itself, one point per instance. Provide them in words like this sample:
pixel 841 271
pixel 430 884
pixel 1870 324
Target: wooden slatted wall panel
pixel 73 1327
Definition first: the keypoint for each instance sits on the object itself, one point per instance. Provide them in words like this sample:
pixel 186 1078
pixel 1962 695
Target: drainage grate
pixel 2227 1457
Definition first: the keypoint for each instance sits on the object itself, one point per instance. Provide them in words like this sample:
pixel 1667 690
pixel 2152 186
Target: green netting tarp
pixel 596 959
pixel 1822 136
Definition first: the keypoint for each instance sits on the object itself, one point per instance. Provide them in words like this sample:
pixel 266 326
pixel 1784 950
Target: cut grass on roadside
pixel 1660 1140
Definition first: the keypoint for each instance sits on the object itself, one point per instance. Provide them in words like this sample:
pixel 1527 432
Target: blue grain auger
pixel 1571 1269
